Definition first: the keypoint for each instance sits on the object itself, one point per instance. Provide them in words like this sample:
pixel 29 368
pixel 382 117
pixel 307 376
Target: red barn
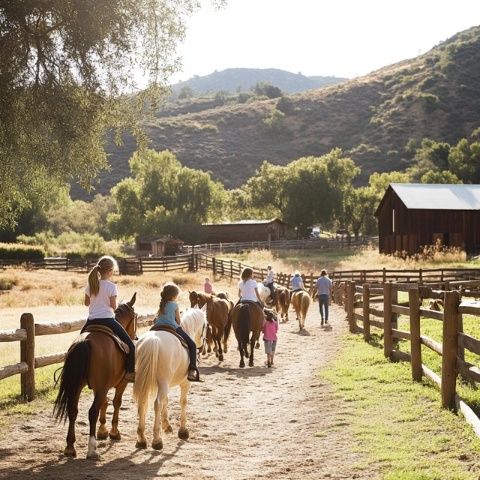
pixel 412 215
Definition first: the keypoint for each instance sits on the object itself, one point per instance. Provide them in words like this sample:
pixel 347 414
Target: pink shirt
pixel 207 287
pixel 270 330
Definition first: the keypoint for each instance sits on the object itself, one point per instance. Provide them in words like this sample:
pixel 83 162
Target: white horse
pixel 263 292
pixel 161 363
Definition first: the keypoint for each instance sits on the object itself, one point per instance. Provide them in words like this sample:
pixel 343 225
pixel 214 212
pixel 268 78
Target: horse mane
pixel 193 320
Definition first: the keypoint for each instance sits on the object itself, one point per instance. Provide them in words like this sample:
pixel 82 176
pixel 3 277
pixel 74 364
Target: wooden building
pixel 157 246
pixel 411 216
pixel 247 231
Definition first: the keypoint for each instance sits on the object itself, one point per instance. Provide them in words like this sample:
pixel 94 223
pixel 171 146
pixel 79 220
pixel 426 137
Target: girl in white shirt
pixel 247 288
pixel 101 299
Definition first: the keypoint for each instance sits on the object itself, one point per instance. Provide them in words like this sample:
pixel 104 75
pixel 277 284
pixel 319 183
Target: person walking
pixel 101 299
pixel 207 286
pixel 324 290
pixel 270 329
pixel 269 282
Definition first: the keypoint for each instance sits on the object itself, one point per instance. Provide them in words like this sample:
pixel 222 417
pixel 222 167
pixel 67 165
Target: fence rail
pixel 362 301
pixel 28 361
pixel 301 244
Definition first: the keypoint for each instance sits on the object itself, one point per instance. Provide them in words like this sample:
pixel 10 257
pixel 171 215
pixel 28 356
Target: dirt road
pixel 244 423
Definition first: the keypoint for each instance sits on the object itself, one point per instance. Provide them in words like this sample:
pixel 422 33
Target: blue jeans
pixel 121 333
pixel 323 302
pixel 192 348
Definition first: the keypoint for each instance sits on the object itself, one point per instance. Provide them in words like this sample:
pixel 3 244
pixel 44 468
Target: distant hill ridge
pixel 233 80
pixel 435 95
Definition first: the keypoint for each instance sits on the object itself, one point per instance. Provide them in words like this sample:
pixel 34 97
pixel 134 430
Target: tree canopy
pixel 65 70
pixel 162 197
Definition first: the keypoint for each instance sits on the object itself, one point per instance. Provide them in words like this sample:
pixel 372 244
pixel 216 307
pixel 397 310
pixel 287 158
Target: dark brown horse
pixel 218 318
pixel 247 318
pixel 282 302
pixel 94 360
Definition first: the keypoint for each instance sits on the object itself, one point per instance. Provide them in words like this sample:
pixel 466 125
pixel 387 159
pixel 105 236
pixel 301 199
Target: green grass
pixel 398 423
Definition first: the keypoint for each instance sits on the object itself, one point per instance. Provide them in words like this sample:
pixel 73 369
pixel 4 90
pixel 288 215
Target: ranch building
pixel 411 216
pixel 247 231
pixel 157 247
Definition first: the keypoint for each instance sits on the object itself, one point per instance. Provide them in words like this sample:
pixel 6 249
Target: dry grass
pixel 312 261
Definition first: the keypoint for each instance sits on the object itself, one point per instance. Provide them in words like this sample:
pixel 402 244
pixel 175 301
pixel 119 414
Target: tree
pixel 307 191
pixel 464 160
pixel 435 176
pixel 65 69
pixel 270 91
pixel 430 156
pixel 185 93
pixel 163 197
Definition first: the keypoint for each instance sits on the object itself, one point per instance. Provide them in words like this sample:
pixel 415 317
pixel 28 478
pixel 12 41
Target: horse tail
pixel 244 323
pixel 72 379
pixel 146 358
pixel 305 303
pixel 228 325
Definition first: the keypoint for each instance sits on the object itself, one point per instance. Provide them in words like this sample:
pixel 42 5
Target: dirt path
pixel 244 423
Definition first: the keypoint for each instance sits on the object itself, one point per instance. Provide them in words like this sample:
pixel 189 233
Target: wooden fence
pixel 377 306
pixel 26 335
pixel 301 244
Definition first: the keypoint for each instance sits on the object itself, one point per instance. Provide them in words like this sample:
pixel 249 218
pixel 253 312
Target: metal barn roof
pixel 423 196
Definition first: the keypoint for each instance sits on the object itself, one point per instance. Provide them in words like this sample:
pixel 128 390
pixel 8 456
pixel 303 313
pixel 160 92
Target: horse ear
pixel 133 299
pixel 204 308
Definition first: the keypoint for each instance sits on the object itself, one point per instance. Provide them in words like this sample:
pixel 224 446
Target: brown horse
pixel 301 303
pixel 199 299
pixel 94 360
pixel 282 302
pixel 218 318
pixel 247 317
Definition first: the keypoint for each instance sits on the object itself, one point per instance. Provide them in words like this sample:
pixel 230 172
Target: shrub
pixel 7 283
pixel 275 121
pixel 16 251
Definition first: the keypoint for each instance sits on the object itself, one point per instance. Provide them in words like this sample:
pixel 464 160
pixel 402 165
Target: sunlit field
pixel 312 261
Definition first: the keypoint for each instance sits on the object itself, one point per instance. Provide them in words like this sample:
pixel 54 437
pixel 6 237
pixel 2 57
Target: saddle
pixel 104 329
pixel 166 328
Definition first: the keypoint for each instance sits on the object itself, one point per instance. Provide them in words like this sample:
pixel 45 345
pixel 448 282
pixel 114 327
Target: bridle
pixel 133 317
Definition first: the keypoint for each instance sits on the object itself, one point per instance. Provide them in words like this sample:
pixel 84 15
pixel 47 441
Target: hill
pixel 435 95
pixel 233 80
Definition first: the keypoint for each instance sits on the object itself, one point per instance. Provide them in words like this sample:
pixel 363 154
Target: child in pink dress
pixel 270 329
pixel 207 286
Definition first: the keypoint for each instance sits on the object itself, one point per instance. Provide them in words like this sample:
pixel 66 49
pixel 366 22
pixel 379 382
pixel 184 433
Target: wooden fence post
pixel 450 349
pixel 27 355
pixel 387 320
pixel 366 312
pixel 415 343
pixel 384 275
pixel 350 307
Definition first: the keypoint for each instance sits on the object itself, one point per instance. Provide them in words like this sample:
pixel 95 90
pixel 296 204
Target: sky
pixel 345 38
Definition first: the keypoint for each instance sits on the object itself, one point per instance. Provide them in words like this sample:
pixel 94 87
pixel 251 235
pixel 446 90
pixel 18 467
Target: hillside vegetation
pixel 373 118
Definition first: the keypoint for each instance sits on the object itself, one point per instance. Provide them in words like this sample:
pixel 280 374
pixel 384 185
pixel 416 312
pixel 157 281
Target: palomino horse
pixel 282 302
pixel 247 317
pixel 94 360
pixel 301 303
pixel 218 318
pixel 161 363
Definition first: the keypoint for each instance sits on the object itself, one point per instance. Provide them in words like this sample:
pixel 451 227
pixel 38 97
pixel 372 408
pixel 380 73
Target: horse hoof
pixel 70 452
pixel 168 429
pixel 142 444
pixel 183 434
pixel 242 364
pixel 250 364
pixel 157 445
pixel 102 435
pixel 93 456
pixel 115 436
pixel 220 358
